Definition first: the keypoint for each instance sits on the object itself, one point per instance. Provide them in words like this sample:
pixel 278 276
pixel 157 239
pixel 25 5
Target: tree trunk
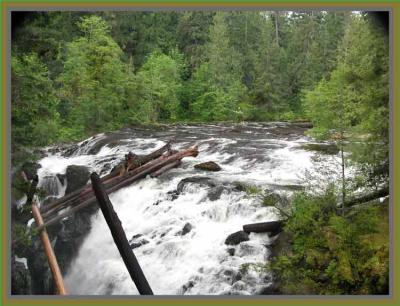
pixel 273 227
pixel 368 197
pixel 119 237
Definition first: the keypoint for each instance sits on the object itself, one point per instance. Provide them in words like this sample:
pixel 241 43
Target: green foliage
pixel 160 83
pixel 355 98
pixel 334 254
pixel 34 114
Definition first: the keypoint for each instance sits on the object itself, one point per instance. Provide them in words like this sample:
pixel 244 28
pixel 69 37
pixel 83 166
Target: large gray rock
pixel 77 177
pixel 198 180
pixel 236 238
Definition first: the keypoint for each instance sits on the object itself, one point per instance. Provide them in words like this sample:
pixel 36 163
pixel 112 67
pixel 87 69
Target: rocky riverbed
pixel 180 224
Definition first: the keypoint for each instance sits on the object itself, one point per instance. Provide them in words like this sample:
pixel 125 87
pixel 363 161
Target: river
pixel 268 155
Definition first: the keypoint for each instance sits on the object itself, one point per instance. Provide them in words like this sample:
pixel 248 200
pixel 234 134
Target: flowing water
pixel 269 156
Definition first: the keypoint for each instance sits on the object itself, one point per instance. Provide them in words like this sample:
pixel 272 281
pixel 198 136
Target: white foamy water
pixel 197 262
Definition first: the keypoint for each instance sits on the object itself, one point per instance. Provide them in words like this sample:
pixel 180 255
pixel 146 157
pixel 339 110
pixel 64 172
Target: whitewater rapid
pixel 198 262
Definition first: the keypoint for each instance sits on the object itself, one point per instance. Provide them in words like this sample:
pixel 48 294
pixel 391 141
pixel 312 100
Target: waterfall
pixel 197 262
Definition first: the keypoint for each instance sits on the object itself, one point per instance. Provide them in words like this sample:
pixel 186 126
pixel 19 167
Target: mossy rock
pixel 323 148
pixel 208 166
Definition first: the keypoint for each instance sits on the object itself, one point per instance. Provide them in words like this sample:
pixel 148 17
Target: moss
pixel 248 188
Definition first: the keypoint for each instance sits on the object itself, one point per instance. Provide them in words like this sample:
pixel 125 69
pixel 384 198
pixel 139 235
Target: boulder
pixel 199 180
pixel 139 243
pixel 77 177
pixel 215 193
pixel 208 166
pixel 236 238
pixel 186 229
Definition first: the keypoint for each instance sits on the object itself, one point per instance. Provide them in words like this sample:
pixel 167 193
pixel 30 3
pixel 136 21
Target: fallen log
pixel 78 194
pixel 128 179
pixel 369 197
pixel 119 236
pixel 273 227
pixel 166 168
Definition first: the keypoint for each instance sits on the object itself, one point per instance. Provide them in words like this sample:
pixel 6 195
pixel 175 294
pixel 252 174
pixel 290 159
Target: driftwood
pixel 273 227
pixel 369 197
pixel 119 237
pixel 127 179
pixel 44 237
pixel 166 168
pixel 86 191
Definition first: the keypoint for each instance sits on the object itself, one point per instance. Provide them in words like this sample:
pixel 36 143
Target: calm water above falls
pixel 267 155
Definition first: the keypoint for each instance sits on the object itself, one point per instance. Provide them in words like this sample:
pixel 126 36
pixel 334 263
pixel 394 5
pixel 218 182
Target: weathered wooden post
pixel 48 250
pixel 119 237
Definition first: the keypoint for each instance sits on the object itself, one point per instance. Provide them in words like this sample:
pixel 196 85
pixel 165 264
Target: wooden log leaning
pixel 48 250
pixel 77 195
pixel 128 179
pixel 273 227
pixel 119 237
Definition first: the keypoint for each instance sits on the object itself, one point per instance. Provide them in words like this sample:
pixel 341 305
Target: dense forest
pixel 75 74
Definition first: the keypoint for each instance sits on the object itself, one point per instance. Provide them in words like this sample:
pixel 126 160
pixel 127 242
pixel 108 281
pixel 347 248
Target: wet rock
pixel 42 281
pixel 139 243
pixel 215 193
pixel 186 229
pixel 68 152
pixel 30 169
pixel 21 283
pixel 239 286
pixel 208 166
pixel 135 237
pixel 77 177
pixel 236 238
pixel 199 180
pixel 231 251
pixel 171 196
pixel 270 290
pixel 61 178
pixel 187 286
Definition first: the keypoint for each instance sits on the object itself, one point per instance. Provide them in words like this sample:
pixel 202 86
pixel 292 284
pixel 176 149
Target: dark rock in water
pixel 171 195
pixel 186 229
pixel 61 178
pixel 21 282
pixel 42 281
pixel 139 243
pixel 188 285
pixel 70 150
pixel 200 180
pixel 215 193
pixel 30 169
pixel 208 166
pixel 77 177
pixel 270 290
pixel 135 237
pixel 231 251
pixel 236 238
